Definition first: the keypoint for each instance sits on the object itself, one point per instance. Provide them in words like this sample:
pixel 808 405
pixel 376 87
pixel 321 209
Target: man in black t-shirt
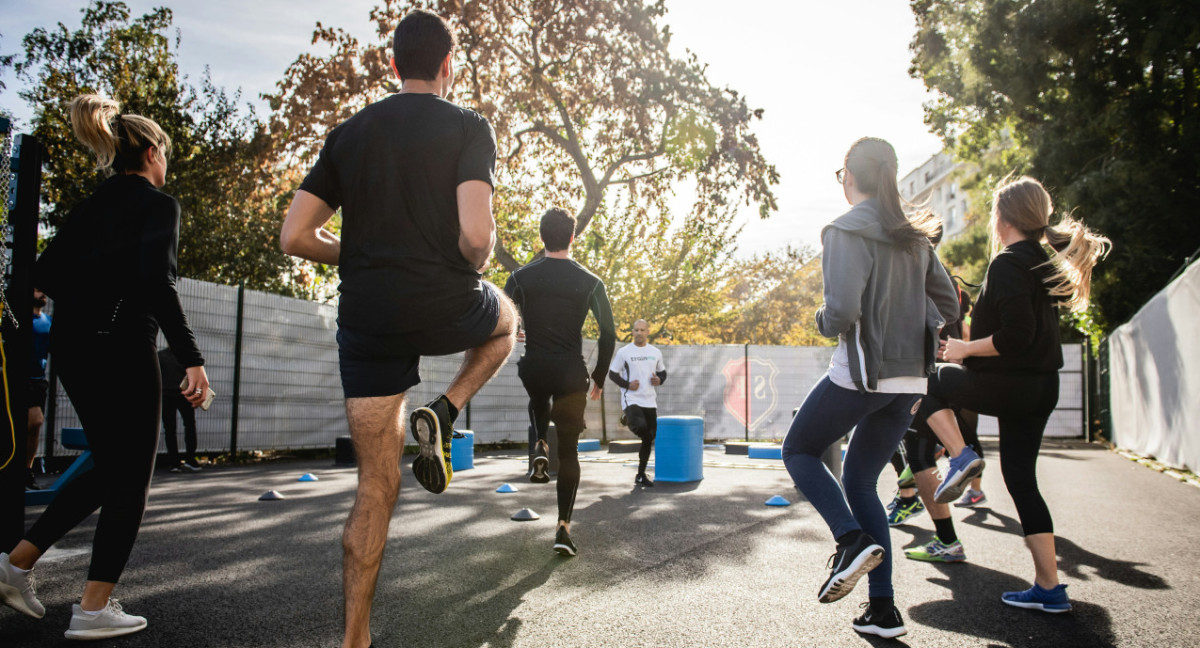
pixel 413 177
pixel 554 295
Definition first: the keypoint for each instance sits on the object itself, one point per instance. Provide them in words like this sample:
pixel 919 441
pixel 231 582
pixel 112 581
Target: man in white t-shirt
pixel 637 369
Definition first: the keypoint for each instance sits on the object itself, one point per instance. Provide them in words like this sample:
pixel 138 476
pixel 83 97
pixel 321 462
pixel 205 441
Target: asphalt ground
pixel 696 564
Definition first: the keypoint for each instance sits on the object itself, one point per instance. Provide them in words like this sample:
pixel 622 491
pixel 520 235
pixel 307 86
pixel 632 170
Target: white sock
pixel 91 612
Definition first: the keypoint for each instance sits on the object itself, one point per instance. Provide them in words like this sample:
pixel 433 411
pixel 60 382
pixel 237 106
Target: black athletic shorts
pixel 38 387
pixel 374 364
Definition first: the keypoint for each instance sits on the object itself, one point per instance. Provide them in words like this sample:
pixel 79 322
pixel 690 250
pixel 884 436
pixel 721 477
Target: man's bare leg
pixel 378 436
pixel 927 483
pixel 36 419
pixel 945 427
pixel 485 360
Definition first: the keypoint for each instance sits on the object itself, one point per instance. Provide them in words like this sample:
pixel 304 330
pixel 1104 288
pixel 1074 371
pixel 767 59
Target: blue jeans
pixel 828 413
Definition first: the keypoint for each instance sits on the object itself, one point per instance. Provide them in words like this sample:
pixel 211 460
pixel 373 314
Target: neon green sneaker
pixel 901 512
pixel 906 479
pixel 936 551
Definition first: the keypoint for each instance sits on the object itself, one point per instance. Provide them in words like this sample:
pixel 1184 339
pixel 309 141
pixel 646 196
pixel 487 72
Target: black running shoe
pixel 541 463
pixel 433 430
pixel 643 480
pixel 563 544
pixel 849 564
pixel 888 625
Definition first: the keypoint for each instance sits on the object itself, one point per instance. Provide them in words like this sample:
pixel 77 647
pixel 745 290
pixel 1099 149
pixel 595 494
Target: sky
pixel 825 74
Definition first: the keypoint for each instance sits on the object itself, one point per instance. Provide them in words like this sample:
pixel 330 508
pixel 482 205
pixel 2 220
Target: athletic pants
pixel 920 444
pixel 643 421
pixel 828 413
pixel 114 384
pixel 557 387
pixel 1022 404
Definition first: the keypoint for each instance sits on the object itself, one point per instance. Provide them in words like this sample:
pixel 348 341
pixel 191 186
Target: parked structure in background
pixel 937 185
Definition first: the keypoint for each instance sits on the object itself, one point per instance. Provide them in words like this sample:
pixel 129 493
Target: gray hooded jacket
pixel 886 304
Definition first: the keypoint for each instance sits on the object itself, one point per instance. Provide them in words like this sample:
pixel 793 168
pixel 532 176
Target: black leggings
pixel 920 443
pixel 643 421
pixel 1022 405
pixel 115 387
pixel 557 387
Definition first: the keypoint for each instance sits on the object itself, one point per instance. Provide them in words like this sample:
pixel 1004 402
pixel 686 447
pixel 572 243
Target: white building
pixel 935 185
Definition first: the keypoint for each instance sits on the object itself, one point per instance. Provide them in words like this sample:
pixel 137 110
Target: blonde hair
pixel 873 162
pixel 117 140
pixel 1025 204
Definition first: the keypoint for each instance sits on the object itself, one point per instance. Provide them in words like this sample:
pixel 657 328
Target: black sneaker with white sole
pixel 888 624
pixel 563 544
pixel 433 429
pixel 540 473
pixel 849 564
pixel 643 480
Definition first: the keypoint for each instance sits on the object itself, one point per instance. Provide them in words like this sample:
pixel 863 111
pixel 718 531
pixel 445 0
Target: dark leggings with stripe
pixel 115 387
pixel 1022 404
pixel 557 388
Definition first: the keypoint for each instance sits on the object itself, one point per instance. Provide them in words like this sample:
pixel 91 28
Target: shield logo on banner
pixel 756 406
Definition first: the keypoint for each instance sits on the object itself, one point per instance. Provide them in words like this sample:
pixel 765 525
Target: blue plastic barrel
pixel 462 450
pixel 679 449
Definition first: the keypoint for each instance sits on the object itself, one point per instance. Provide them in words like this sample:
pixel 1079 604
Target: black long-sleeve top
pixel 1015 308
pixel 111 269
pixel 554 296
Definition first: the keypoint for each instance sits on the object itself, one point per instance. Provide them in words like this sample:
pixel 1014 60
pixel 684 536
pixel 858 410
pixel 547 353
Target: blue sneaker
pixel 1053 600
pixel 963 469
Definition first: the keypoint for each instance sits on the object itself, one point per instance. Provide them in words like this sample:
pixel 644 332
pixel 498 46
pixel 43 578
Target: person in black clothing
pixel 413 177
pixel 1010 368
pixel 554 295
pixel 111 270
pixel 172 402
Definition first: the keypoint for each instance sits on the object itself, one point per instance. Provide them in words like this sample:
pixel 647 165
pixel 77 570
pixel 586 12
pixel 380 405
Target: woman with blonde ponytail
pixel 1009 369
pixel 886 297
pixel 111 271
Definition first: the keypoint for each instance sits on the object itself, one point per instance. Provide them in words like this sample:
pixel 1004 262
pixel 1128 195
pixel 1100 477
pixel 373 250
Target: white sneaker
pixel 110 622
pixel 18 590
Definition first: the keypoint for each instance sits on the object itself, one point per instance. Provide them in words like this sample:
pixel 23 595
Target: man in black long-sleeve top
pixel 554 295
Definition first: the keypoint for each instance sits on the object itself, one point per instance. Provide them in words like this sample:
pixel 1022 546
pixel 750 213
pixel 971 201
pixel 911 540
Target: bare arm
pixel 304 234
pixel 954 350
pixel 477 228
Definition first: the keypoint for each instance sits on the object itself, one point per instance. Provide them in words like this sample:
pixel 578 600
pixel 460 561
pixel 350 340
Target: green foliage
pixel 1098 100
pixel 220 170
pixel 592 113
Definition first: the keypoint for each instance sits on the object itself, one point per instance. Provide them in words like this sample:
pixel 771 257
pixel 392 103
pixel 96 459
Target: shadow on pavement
pixel 986 518
pixel 975 609
pixel 1072 558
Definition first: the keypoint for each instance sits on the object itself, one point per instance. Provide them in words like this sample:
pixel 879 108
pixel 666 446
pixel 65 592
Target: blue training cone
pixel 506 488
pixel 778 501
pixel 307 477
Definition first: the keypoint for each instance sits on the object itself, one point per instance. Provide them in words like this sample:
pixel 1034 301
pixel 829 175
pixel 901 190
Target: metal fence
pixel 289 393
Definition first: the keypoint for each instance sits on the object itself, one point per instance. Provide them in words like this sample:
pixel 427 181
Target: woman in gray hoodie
pixel 886 297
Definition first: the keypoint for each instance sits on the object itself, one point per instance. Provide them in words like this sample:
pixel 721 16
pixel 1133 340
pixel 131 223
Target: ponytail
pixel 873 163
pixel 117 140
pixel 1077 250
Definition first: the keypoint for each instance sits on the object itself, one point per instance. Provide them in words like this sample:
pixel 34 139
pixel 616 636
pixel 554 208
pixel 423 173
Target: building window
pixel 950 217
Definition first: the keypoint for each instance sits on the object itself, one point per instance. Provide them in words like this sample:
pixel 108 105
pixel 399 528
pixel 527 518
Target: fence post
pixel 18 339
pixel 1086 390
pixel 237 369
pixel 746 387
